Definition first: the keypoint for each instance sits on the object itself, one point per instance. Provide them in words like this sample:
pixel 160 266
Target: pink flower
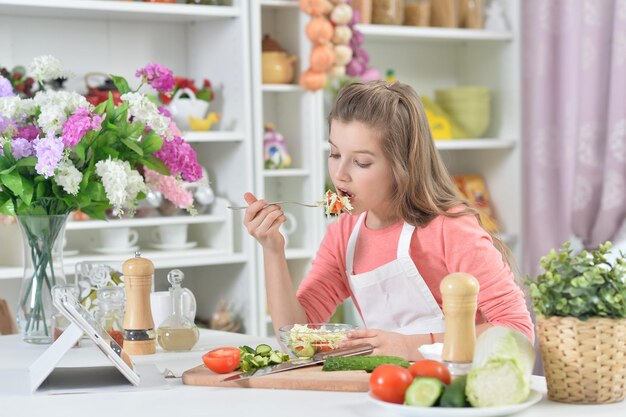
pixel 81 122
pixel 180 158
pixel 159 77
pixel 171 188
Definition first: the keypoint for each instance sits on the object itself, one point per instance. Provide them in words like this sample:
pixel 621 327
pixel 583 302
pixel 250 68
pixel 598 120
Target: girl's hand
pixel 386 343
pixel 263 223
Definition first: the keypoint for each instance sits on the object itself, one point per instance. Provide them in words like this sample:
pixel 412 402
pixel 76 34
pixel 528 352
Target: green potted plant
pixel 580 303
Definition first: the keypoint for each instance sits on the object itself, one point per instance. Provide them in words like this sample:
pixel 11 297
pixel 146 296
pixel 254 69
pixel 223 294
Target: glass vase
pixel 42 237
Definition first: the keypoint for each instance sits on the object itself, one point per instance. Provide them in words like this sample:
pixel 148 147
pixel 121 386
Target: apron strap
pixel 405 240
pixel 352 245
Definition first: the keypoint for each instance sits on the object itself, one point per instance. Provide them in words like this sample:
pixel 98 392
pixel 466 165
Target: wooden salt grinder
pixel 139 336
pixel 459 292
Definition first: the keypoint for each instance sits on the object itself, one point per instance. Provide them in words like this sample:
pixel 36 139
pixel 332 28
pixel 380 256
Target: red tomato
pixel 431 368
pixel 222 360
pixel 389 382
pixel 321 347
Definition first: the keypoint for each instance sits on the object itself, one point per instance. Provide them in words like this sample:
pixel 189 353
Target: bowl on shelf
pixel 305 340
pixel 469 106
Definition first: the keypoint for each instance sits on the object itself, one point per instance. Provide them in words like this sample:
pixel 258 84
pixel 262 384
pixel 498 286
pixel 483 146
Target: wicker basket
pixel 584 361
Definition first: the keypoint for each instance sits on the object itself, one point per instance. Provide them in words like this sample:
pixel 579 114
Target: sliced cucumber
pixel 263 350
pixel 423 392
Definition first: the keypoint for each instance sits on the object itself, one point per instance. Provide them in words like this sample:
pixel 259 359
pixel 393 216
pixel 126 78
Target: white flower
pixel 55 107
pixel 15 108
pixel 147 112
pixel 47 67
pixel 68 177
pixel 121 183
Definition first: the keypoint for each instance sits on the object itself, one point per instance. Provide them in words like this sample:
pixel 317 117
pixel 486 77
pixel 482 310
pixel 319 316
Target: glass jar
pixel 388 12
pixel 110 312
pixel 417 12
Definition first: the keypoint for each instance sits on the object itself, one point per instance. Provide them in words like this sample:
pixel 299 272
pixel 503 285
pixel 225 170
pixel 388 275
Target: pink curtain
pixel 574 118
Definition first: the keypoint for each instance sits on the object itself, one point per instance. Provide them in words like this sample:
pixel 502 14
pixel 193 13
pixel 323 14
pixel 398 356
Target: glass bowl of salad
pixel 305 340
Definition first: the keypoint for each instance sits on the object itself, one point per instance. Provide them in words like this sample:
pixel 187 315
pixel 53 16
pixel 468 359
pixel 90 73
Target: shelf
pixel 412 34
pixel 465 144
pixel 469 144
pixel 280 4
pixel 165 259
pixel 206 137
pixel 144 222
pixel 11 272
pixel 286 172
pixel 116 10
pixel 281 88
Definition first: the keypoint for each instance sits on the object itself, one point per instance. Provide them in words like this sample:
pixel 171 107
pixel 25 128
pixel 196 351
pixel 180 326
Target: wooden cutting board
pixel 309 378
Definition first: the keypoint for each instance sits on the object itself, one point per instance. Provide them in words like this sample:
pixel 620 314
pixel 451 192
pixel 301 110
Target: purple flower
pixel 81 122
pixel 28 132
pixel 159 77
pixel 49 151
pixel 180 158
pixel 164 112
pixel 6 125
pixel 6 89
pixel 21 148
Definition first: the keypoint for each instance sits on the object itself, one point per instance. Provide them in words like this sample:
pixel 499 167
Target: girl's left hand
pixel 385 343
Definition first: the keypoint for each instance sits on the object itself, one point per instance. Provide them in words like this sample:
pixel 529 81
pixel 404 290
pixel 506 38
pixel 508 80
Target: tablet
pixel 71 308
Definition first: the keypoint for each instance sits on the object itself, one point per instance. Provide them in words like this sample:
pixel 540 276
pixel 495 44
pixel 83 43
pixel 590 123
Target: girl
pixel 408 229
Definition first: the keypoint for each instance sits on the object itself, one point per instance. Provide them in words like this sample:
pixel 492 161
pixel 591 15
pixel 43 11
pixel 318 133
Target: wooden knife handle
pixel 358 350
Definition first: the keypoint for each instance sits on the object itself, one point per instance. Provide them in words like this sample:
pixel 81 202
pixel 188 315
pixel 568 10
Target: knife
pixel 358 350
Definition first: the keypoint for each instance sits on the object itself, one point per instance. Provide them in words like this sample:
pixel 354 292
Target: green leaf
pixel 121 84
pixel 152 143
pixel 7 208
pixel 133 146
pixel 13 181
pixel 155 164
pixel 28 190
pixel 100 108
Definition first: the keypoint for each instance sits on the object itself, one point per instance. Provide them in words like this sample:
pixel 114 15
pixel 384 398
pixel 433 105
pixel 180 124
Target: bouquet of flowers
pixel 58 153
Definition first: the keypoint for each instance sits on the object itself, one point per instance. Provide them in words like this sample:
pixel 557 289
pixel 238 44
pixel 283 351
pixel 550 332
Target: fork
pixel 276 202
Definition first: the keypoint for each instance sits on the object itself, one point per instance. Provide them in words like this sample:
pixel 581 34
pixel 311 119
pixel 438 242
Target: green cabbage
pixel 501 368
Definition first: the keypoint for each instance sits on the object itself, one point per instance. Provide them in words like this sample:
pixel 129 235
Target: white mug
pixel 161 307
pixel 118 238
pixel 171 234
pixel 290 226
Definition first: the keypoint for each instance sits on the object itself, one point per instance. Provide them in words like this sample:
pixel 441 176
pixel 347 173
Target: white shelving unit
pixel 194 41
pixel 295 114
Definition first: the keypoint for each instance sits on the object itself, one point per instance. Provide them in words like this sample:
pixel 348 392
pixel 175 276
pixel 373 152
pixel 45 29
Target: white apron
pixel 394 297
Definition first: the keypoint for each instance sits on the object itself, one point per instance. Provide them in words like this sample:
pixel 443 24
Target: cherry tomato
pixel 321 346
pixel 389 382
pixel 222 360
pixel 431 368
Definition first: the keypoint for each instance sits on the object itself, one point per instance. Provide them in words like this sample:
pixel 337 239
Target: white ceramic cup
pixel 118 238
pixel 290 226
pixel 161 307
pixel 171 234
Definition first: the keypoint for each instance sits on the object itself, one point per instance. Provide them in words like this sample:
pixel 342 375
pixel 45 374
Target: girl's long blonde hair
pixel 423 186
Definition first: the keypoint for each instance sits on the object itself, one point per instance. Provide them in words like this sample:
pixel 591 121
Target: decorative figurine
pixel 275 152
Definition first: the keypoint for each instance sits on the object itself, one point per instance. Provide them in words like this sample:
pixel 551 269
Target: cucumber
pixel 361 363
pixel 263 350
pixel 454 394
pixel 424 391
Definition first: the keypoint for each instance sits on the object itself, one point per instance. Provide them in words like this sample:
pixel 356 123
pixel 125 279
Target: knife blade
pixel 358 350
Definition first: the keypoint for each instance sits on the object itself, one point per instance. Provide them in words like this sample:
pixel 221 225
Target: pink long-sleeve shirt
pixel 443 246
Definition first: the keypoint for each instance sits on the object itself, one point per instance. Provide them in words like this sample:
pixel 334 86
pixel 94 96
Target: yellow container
pixel 470 107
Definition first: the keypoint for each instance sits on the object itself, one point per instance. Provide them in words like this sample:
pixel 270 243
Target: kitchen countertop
pixel 175 399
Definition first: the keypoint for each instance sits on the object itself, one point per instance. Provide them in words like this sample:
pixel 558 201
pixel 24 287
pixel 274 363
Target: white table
pixel 178 400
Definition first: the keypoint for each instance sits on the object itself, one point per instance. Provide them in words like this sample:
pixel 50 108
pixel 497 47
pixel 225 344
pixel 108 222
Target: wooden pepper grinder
pixel 459 292
pixel 139 335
